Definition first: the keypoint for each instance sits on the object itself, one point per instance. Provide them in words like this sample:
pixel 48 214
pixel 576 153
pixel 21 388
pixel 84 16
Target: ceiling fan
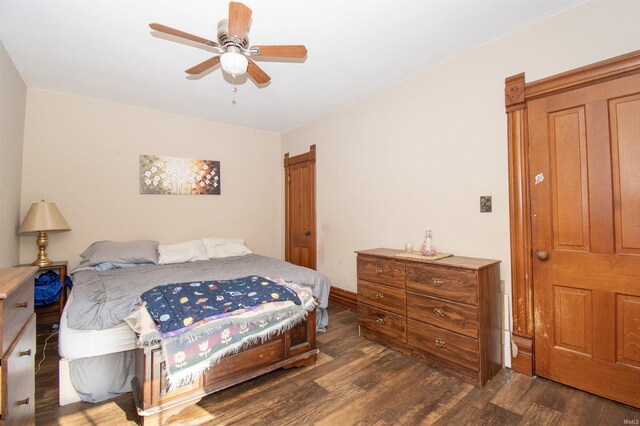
pixel 233 46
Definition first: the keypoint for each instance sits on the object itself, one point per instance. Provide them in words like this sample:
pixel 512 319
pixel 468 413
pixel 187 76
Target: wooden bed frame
pixel 293 348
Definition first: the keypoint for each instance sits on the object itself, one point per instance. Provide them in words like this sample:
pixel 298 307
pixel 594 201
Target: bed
pixel 95 342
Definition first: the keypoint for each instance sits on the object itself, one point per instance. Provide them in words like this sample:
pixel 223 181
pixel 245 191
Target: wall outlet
pixel 485 204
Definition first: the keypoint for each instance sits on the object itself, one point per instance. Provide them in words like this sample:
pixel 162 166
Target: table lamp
pixel 40 218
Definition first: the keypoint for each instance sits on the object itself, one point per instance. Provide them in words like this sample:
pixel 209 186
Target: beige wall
pixel 83 153
pixel 419 155
pixel 13 95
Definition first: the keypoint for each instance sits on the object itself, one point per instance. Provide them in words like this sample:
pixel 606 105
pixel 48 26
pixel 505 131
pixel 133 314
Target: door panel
pixel 599 163
pixel 573 322
pixel 628 330
pixel 585 150
pixel 569 183
pixel 625 132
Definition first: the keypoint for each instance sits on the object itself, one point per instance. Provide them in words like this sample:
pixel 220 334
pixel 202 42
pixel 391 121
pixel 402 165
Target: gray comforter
pixel 102 299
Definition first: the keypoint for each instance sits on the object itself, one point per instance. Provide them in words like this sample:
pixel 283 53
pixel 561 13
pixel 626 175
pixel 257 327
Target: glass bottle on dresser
pixel 427 248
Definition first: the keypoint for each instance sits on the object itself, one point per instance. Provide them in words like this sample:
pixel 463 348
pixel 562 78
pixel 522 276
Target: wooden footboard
pixel 293 348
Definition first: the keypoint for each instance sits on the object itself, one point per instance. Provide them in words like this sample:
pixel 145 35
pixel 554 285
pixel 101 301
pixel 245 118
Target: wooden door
pixel 300 208
pixel 584 148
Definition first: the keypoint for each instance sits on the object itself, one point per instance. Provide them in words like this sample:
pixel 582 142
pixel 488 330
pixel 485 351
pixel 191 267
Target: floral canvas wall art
pixel 178 176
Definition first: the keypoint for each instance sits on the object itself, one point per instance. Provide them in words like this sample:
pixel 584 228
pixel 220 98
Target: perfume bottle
pixel 427 248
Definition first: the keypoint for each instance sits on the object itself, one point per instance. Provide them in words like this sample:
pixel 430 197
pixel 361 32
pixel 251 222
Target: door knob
pixel 307 233
pixel 542 255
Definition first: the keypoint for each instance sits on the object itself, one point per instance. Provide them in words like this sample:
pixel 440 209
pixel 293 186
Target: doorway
pixel 300 208
pixel 575 226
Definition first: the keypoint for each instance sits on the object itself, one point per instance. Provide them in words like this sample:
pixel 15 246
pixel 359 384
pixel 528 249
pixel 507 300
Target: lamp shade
pixel 43 216
pixel 234 63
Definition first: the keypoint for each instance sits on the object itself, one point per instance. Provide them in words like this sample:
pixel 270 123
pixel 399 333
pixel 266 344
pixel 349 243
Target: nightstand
pixel 53 311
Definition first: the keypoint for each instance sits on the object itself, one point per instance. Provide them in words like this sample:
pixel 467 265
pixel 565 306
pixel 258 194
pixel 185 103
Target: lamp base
pixel 42 262
pixel 42 242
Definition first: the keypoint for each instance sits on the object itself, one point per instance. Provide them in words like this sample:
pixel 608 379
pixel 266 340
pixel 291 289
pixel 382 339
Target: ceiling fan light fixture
pixel 234 63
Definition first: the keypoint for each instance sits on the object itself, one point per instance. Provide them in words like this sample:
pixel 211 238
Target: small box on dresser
pixel 18 329
pixel 446 313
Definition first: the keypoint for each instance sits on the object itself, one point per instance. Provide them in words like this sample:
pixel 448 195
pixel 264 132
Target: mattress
pixel 74 344
pixel 104 298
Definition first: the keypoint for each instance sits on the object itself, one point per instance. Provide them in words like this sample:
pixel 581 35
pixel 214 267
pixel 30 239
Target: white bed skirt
pixel 84 344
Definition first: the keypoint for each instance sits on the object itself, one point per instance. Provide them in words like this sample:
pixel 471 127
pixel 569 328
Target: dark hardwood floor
pixel 354 382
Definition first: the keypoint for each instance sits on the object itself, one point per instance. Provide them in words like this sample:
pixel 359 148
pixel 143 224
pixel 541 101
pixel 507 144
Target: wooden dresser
pixel 447 313
pixel 18 328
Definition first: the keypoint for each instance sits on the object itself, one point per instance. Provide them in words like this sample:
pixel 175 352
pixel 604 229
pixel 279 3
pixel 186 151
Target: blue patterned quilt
pixel 176 308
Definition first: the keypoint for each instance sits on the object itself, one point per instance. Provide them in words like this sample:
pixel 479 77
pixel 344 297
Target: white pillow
pixel 182 252
pixel 229 250
pixel 225 247
pixel 220 241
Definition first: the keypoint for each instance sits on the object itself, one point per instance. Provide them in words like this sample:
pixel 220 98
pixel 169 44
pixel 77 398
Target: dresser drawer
pixel 383 271
pixel 237 365
pixel 459 285
pixel 452 346
pixel 380 321
pixel 18 405
pixel 381 296
pixel 452 316
pixel 16 310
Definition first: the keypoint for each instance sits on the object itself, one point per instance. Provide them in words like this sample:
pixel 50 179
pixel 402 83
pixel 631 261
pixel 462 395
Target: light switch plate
pixel 485 204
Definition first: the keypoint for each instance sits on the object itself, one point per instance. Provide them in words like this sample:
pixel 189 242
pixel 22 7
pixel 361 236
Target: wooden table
pixel 53 312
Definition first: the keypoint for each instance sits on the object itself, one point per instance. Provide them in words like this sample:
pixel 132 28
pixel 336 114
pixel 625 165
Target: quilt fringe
pixel 149 339
pixel 183 378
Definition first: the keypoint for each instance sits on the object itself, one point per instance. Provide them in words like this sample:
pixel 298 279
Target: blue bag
pixel 47 288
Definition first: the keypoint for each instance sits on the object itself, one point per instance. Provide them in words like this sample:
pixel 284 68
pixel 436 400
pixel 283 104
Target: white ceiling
pixel 105 49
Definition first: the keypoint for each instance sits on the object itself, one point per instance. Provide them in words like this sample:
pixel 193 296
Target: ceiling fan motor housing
pixel 226 40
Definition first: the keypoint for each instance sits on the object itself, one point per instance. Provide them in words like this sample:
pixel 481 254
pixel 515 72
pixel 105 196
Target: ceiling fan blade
pixel 203 66
pixel 181 34
pixel 284 51
pixel 239 19
pixel 256 73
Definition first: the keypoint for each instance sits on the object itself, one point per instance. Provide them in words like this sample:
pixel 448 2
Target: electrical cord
pixel 44 356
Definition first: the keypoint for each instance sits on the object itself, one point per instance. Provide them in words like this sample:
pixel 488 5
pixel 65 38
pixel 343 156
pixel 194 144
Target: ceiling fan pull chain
pixel 234 90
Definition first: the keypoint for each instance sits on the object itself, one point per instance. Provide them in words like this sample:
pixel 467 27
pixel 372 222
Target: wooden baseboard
pixel 344 298
pixel 523 363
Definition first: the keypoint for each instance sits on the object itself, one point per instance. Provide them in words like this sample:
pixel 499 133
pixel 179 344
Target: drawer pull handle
pixel 25 353
pixel 440 342
pixel 261 356
pixel 437 282
pixel 379 270
pixel 379 296
pixel 23 402
pixel 380 321
pixel 22 305
pixel 438 312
